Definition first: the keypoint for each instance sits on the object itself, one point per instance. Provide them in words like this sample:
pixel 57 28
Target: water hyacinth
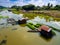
pixel 38 20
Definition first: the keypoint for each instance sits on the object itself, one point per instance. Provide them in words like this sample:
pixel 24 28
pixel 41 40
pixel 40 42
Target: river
pixel 20 36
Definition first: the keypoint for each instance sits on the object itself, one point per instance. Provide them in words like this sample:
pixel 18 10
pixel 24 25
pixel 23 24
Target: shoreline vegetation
pixel 32 11
pixel 31 15
pixel 44 13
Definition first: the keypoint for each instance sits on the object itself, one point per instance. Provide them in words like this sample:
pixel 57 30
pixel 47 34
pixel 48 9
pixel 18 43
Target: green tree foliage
pixel 37 8
pixel 19 8
pixel 57 7
pixel 33 7
pixel 16 7
pixel 28 7
pixel 2 7
pixel 44 7
pixel 49 6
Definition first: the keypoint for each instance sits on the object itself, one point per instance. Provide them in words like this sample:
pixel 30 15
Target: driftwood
pixel 36 30
pixel 45 34
pixel 33 31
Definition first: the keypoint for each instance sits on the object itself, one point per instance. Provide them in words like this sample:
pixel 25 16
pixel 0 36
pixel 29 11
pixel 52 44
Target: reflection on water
pixel 47 36
pixel 44 35
pixel 20 36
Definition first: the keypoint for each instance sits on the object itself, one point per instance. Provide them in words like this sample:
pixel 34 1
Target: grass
pixel 32 15
pixel 58 19
pixel 3 17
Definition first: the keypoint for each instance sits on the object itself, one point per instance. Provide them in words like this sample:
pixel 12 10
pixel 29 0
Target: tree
pixel 19 8
pixel 16 7
pixel 48 6
pixel 38 8
pixel 28 7
pixel 51 5
pixel 44 7
pixel 57 7
pixel 2 7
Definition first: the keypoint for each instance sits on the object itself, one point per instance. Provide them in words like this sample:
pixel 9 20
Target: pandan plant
pixel 31 23
pixel 37 25
pixel 31 26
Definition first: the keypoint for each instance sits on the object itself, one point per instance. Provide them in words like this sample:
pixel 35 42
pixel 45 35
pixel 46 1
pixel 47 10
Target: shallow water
pixel 20 36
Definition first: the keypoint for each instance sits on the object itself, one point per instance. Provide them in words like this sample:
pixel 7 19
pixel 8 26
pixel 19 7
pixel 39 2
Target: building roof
pixel 45 28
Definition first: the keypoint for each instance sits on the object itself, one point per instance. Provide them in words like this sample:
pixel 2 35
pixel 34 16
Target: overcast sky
pixel 9 3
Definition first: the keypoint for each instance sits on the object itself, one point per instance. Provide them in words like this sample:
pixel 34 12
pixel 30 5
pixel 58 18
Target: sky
pixel 9 3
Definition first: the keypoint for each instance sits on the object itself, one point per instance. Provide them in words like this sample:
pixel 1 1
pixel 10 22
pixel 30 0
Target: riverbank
pixel 43 13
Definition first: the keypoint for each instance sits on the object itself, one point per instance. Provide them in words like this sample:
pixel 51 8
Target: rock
pixel 3 42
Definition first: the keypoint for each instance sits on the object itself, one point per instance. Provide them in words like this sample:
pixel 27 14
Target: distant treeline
pixel 33 7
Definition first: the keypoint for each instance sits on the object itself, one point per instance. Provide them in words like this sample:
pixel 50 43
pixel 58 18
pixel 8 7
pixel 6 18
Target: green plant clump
pixel 31 23
pixel 37 25
pixel 31 26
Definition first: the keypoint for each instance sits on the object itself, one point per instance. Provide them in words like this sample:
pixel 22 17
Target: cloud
pixel 9 3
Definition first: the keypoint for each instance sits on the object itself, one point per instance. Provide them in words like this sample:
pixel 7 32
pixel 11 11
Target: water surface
pixel 20 36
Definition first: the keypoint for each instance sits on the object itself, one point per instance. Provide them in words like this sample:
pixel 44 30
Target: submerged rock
pixel 14 29
pixel 3 42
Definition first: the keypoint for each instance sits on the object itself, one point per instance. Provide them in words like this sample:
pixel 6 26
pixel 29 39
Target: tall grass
pixel 32 15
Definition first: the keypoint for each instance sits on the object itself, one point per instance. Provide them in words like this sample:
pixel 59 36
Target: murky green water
pixel 20 36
